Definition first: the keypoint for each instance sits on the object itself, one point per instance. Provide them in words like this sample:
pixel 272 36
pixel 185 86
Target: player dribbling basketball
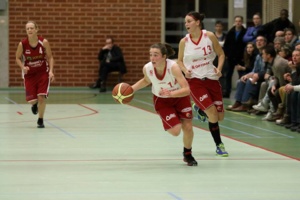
pixel 170 95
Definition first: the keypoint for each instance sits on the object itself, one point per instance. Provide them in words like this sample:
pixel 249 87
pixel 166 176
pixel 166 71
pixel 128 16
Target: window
pixel 175 11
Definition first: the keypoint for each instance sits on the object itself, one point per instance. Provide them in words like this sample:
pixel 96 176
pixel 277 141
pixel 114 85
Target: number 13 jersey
pixel 199 56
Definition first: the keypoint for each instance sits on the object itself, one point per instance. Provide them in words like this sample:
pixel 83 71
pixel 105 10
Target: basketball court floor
pixel 93 148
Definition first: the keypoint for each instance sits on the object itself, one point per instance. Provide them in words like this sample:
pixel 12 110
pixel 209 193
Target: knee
pixel 221 116
pixel 41 99
pixel 187 126
pixel 175 131
pixel 213 115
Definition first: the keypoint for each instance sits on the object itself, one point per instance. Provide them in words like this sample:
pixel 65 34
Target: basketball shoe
pixel 40 123
pixel 201 115
pixel 34 109
pixel 189 159
pixel 221 150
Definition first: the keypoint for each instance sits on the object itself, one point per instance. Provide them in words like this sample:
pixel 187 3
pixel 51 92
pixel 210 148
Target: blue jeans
pixel 245 91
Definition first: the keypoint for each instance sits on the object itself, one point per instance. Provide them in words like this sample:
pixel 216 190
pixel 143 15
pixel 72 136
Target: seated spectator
pixel 251 33
pixel 110 59
pixel 297 46
pixel 248 85
pixel 248 61
pixel 293 94
pixel 290 37
pixel 279 34
pixel 276 68
pixel 279 24
pixel 285 52
pixel 278 43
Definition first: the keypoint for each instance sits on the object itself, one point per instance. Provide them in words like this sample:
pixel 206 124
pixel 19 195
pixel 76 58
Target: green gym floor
pixel 93 148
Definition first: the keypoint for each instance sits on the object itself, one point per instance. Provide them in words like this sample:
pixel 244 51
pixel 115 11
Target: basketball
pixel 122 93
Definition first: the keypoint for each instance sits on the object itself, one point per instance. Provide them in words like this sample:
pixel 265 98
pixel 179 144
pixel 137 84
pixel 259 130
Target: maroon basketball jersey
pixel 34 57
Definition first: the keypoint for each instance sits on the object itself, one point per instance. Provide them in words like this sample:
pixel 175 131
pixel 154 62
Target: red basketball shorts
pixel 36 84
pixel 172 110
pixel 206 93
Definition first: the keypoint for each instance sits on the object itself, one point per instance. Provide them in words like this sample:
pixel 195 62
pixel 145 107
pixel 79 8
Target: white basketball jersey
pixel 167 81
pixel 198 57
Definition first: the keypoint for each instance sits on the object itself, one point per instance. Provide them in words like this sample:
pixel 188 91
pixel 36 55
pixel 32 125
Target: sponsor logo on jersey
pixel 186 109
pixel 35 63
pixel 27 51
pixel 218 103
pixel 162 83
pixel 200 65
pixel 168 117
pixel 203 97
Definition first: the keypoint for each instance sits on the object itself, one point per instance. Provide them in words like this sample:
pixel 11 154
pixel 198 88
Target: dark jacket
pixel 269 29
pixel 234 47
pixel 116 57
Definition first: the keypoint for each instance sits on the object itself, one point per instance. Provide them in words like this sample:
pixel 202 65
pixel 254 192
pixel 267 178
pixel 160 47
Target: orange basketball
pixel 122 93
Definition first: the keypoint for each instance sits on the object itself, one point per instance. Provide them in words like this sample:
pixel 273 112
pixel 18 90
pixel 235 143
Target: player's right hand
pixel 188 74
pixel 25 69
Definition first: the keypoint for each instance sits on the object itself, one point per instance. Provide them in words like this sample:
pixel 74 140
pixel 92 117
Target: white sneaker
pixel 278 121
pixel 260 107
pixel 268 116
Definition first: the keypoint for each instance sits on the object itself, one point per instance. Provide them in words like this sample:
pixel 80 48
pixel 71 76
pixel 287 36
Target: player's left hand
pixel 164 92
pixel 219 74
pixel 51 76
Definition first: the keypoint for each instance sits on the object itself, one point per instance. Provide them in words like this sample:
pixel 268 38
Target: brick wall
pixel 76 30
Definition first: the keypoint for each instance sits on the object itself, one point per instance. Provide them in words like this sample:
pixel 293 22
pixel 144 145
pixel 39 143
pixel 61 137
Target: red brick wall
pixel 76 30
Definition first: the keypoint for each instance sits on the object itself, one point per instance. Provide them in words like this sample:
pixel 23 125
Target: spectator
pixel 248 85
pixel 276 68
pixel 221 36
pixel 251 33
pixel 278 43
pixel 110 59
pixel 234 48
pixel 248 61
pixel 292 64
pixel 285 52
pixel 219 33
pixel 269 29
pixel 290 37
pixel 293 94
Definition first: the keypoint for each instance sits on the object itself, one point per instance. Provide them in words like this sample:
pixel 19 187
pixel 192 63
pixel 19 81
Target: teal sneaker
pixel 201 115
pixel 221 150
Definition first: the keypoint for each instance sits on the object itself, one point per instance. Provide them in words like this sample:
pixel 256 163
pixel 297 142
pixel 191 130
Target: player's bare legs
pixel 175 131
pixel 188 136
pixel 213 115
pixel 188 133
